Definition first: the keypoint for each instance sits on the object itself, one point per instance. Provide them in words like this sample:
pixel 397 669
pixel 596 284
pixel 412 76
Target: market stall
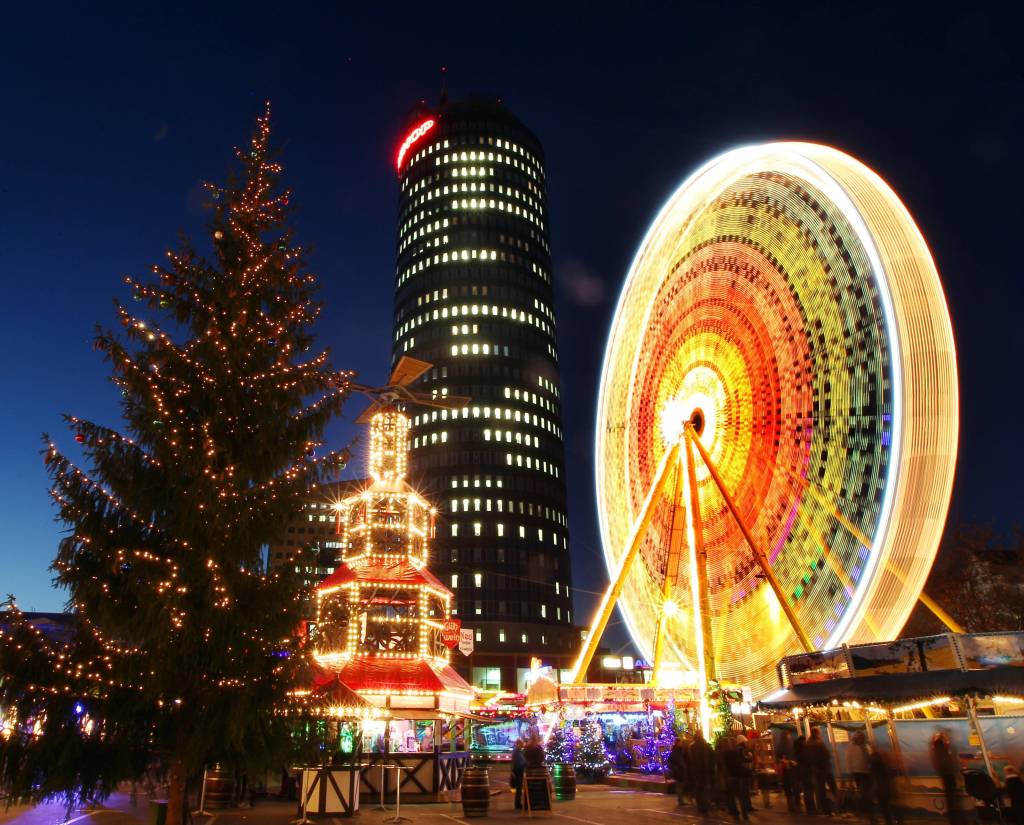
pixel 970 687
pixel 328 734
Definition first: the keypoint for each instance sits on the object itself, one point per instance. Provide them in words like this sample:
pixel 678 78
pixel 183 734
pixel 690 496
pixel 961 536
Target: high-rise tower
pixel 474 297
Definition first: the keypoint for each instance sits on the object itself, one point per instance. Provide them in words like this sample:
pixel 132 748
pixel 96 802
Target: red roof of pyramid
pixel 376 569
pixel 369 673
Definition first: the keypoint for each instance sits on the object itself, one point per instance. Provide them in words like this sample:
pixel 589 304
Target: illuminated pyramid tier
pixel 380 614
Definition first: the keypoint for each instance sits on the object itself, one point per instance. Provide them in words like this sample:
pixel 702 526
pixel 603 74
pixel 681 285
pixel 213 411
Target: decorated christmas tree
pixel 658 740
pixel 721 712
pixel 591 759
pixel 562 744
pixel 179 651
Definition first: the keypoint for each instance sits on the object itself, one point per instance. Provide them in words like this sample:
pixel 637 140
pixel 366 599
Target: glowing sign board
pixel 411 139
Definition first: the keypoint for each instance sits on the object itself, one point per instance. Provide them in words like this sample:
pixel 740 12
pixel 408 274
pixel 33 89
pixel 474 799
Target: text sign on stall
pixel 451 630
pixel 466 641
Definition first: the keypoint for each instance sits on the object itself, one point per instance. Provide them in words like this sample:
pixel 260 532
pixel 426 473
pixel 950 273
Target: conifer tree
pixel 181 651
pixel 561 748
pixel 590 754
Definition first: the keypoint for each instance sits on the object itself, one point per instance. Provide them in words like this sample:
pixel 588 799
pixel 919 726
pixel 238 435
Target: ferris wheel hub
pixel 697 421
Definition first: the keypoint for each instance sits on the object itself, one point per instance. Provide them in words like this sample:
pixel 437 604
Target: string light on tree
pixel 179 626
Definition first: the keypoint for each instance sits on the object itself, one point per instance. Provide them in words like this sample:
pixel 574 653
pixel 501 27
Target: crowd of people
pixel 725 777
pixel 710 775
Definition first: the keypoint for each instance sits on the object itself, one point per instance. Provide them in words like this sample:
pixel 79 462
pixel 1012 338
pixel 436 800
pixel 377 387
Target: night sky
pixel 112 118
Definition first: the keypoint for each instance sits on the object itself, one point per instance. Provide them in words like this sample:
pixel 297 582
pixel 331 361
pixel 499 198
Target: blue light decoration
pixel 591 758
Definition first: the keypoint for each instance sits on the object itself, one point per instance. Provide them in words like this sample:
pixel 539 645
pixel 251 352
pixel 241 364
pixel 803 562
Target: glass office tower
pixel 474 297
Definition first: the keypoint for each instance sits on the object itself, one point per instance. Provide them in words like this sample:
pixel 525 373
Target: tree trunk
pixel 176 793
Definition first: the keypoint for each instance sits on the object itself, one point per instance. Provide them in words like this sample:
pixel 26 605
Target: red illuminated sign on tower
pixel 413 136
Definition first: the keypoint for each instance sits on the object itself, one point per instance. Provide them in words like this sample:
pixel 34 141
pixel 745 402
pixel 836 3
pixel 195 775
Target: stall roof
pixel 896 688
pixel 384 571
pixel 400 675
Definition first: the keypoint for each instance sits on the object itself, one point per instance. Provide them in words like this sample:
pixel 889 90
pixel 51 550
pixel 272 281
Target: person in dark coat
pixel 858 763
pixel 701 763
pixel 518 770
pixel 805 774
pixel 883 782
pixel 820 764
pixel 747 759
pixel 737 777
pixel 533 752
pixel 790 775
pixel 946 767
pixel 678 768
pixel 1013 787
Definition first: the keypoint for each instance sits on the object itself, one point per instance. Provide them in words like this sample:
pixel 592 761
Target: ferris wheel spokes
pixel 759 555
pixel 951 624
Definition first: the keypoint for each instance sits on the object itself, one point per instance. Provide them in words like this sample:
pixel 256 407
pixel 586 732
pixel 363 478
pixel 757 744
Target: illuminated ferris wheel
pixel 777 425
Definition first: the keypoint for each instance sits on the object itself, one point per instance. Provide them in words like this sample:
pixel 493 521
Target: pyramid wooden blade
pixel 408 370
pixel 369 412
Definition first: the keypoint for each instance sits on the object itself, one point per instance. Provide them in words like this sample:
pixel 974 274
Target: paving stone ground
pixel 594 805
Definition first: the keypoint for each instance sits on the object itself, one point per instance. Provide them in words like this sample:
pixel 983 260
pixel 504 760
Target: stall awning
pixel 400 676
pixel 898 688
pixel 320 693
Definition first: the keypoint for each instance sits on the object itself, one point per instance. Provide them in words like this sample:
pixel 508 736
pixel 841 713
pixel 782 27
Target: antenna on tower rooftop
pixel 444 85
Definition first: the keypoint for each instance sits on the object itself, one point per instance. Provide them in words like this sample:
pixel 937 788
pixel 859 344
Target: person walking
pixel 747 771
pixel 1013 787
pixel 820 765
pixel 737 777
pixel 858 763
pixel 883 781
pixel 945 766
pixel 790 776
pixel 678 769
pixel 805 774
pixel 701 763
pixel 518 771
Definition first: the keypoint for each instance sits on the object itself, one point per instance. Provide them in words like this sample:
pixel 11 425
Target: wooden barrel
pixel 563 777
pixel 476 792
pixel 220 787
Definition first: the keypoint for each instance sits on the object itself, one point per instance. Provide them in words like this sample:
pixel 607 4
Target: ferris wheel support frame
pixel 680 519
pixel 611 595
pixel 675 544
pixel 759 555
pixel 689 439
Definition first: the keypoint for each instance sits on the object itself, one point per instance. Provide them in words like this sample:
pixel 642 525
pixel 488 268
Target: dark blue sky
pixel 112 117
